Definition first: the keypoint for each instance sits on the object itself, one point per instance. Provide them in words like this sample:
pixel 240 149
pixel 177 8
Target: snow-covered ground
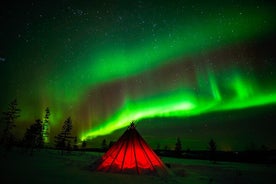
pixel 48 166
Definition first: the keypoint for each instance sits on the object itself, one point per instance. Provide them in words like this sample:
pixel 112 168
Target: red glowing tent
pixel 131 154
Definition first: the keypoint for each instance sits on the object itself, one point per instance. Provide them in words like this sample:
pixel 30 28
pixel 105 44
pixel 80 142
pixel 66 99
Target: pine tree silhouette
pixel 178 147
pixel 33 137
pixel 212 150
pixel 9 117
pixel 63 139
pixel 104 144
pixel 75 147
pixel 83 144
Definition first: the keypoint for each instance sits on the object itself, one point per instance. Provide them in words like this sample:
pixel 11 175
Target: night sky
pixel 194 70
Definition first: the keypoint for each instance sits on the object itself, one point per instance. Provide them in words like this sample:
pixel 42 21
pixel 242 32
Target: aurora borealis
pixel 106 63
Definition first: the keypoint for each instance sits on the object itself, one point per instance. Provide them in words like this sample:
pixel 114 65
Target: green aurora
pixel 106 65
pixel 181 102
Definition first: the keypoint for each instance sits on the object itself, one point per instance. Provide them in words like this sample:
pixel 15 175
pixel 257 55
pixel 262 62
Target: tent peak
pixel 132 125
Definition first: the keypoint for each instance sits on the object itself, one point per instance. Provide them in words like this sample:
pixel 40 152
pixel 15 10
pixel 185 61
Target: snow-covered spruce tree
pixel 46 126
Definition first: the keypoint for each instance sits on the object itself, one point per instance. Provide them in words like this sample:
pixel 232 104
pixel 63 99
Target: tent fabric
pixel 131 154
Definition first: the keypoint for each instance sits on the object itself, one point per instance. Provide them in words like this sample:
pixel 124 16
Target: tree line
pixel 37 134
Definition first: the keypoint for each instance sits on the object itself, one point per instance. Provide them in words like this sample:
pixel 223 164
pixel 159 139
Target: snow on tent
pixel 131 154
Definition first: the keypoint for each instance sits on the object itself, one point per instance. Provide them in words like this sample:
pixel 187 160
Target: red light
pixel 131 154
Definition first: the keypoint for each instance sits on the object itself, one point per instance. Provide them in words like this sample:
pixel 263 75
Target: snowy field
pixel 48 166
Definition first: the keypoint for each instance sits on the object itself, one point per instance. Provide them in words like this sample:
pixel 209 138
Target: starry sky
pixel 190 69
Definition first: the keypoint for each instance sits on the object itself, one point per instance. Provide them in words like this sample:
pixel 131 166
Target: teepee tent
pixel 131 154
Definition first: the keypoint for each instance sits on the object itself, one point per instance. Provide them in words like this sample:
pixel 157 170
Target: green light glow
pixel 214 87
pixel 167 105
pixel 243 89
pixel 106 65
pixel 120 61
pixel 177 104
